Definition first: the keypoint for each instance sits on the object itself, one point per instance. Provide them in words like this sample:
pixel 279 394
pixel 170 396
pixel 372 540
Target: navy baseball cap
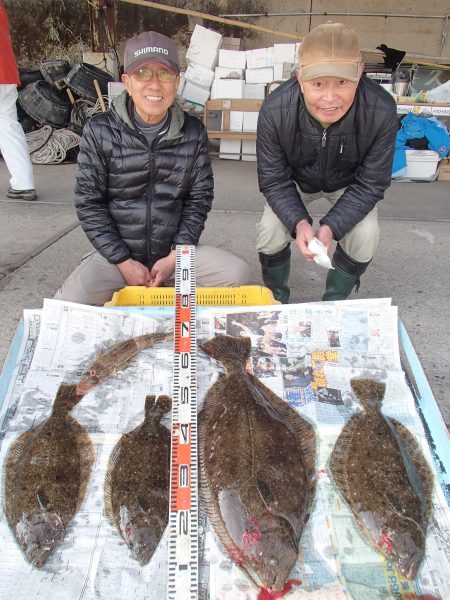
pixel 150 47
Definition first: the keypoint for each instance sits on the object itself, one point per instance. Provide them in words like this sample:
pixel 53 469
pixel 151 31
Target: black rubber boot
pixel 275 273
pixel 344 277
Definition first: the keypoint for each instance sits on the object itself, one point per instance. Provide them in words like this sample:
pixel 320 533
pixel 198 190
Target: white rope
pixel 83 110
pixel 49 146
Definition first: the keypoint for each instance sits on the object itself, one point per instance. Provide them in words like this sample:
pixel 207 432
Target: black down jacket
pixel 357 151
pixel 133 201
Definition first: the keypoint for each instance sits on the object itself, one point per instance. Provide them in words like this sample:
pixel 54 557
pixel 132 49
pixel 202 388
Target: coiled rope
pixel 49 146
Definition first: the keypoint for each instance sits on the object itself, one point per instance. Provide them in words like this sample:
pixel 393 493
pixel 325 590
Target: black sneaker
pixel 22 194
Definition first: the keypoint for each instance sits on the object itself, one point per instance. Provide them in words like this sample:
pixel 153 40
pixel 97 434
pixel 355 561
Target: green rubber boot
pixel 275 273
pixel 344 277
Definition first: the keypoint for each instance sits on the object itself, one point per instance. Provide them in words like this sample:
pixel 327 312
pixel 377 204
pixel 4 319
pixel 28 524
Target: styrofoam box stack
pixel 259 65
pixel 228 148
pixel 202 57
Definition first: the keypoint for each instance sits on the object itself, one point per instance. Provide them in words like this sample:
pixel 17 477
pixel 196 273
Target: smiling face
pixel 152 95
pixel 328 99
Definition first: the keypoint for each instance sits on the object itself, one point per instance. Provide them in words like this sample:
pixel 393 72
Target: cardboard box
pixel 232 59
pixel 444 170
pixel 231 43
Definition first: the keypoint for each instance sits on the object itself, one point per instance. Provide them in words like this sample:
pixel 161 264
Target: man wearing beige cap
pixel 144 184
pixel 327 133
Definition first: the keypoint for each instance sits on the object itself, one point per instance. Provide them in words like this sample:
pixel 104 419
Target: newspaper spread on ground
pixel 306 354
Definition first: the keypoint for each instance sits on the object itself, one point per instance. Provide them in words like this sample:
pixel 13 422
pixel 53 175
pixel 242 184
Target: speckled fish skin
pixel 380 470
pixel 47 470
pixel 117 357
pixel 257 468
pixel 137 482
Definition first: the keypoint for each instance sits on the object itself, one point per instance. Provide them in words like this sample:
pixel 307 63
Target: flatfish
pixel 137 481
pixel 382 474
pixel 116 358
pixel 46 474
pixel 257 469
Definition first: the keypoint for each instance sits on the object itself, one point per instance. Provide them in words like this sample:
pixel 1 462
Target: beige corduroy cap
pixel 330 50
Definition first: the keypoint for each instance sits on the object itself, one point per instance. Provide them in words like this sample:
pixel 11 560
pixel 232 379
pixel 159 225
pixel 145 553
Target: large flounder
pixel 257 469
pixel 117 357
pixel 381 472
pixel 46 474
pixel 137 481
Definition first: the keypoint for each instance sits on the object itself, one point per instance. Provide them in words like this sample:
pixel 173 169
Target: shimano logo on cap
pixel 151 50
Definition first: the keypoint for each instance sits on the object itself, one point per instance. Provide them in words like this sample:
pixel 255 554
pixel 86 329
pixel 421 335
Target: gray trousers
pixel 95 280
pixel 360 243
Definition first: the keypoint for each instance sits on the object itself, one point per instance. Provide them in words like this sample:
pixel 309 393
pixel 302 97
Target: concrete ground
pixel 41 242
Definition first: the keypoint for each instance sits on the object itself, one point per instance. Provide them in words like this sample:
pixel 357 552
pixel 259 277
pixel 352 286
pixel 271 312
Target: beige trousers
pixel 360 243
pixel 95 280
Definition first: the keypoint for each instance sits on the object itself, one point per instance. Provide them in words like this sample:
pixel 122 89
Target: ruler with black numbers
pixel 182 583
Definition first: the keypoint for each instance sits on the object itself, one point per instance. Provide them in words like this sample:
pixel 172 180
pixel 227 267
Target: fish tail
pixel 231 352
pixel 369 392
pixel 157 407
pixel 67 397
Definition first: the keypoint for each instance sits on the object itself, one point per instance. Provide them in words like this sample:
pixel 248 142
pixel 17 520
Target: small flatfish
pixel 137 481
pixel 380 471
pixel 116 358
pixel 47 470
pixel 257 470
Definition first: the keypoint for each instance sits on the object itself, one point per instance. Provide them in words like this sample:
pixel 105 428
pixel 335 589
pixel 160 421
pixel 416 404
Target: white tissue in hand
pixel 320 253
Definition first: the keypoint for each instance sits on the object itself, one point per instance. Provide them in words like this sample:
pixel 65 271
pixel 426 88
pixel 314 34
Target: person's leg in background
pixel 273 246
pixel 219 268
pixel 14 148
pixel 352 257
pixel 93 282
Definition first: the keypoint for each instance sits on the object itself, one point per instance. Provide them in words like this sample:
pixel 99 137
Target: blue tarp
pixel 419 127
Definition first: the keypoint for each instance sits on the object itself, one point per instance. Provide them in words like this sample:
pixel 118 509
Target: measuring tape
pixel 182 582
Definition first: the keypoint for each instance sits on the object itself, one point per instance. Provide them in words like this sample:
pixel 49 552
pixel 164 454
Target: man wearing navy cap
pixel 144 184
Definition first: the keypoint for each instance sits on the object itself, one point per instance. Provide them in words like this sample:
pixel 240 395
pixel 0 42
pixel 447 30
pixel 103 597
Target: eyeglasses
pixel 146 74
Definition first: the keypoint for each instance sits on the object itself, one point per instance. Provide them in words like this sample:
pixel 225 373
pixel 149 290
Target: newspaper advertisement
pixel 306 354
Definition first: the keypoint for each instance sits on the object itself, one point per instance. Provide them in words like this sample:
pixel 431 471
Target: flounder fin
pixel 67 398
pixel 419 463
pixel 369 392
pixel 109 481
pixel 86 453
pixel 230 351
pixel 306 437
pixel 150 339
pixel 341 454
pixel 11 468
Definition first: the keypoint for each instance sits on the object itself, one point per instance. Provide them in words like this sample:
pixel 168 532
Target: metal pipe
pixel 334 14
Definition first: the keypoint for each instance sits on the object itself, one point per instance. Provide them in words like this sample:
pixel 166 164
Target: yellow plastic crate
pixel 247 295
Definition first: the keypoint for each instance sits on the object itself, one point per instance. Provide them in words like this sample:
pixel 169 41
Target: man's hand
pixel 325 235
pixel 134 272
pixel 162 269
pixel 304 234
